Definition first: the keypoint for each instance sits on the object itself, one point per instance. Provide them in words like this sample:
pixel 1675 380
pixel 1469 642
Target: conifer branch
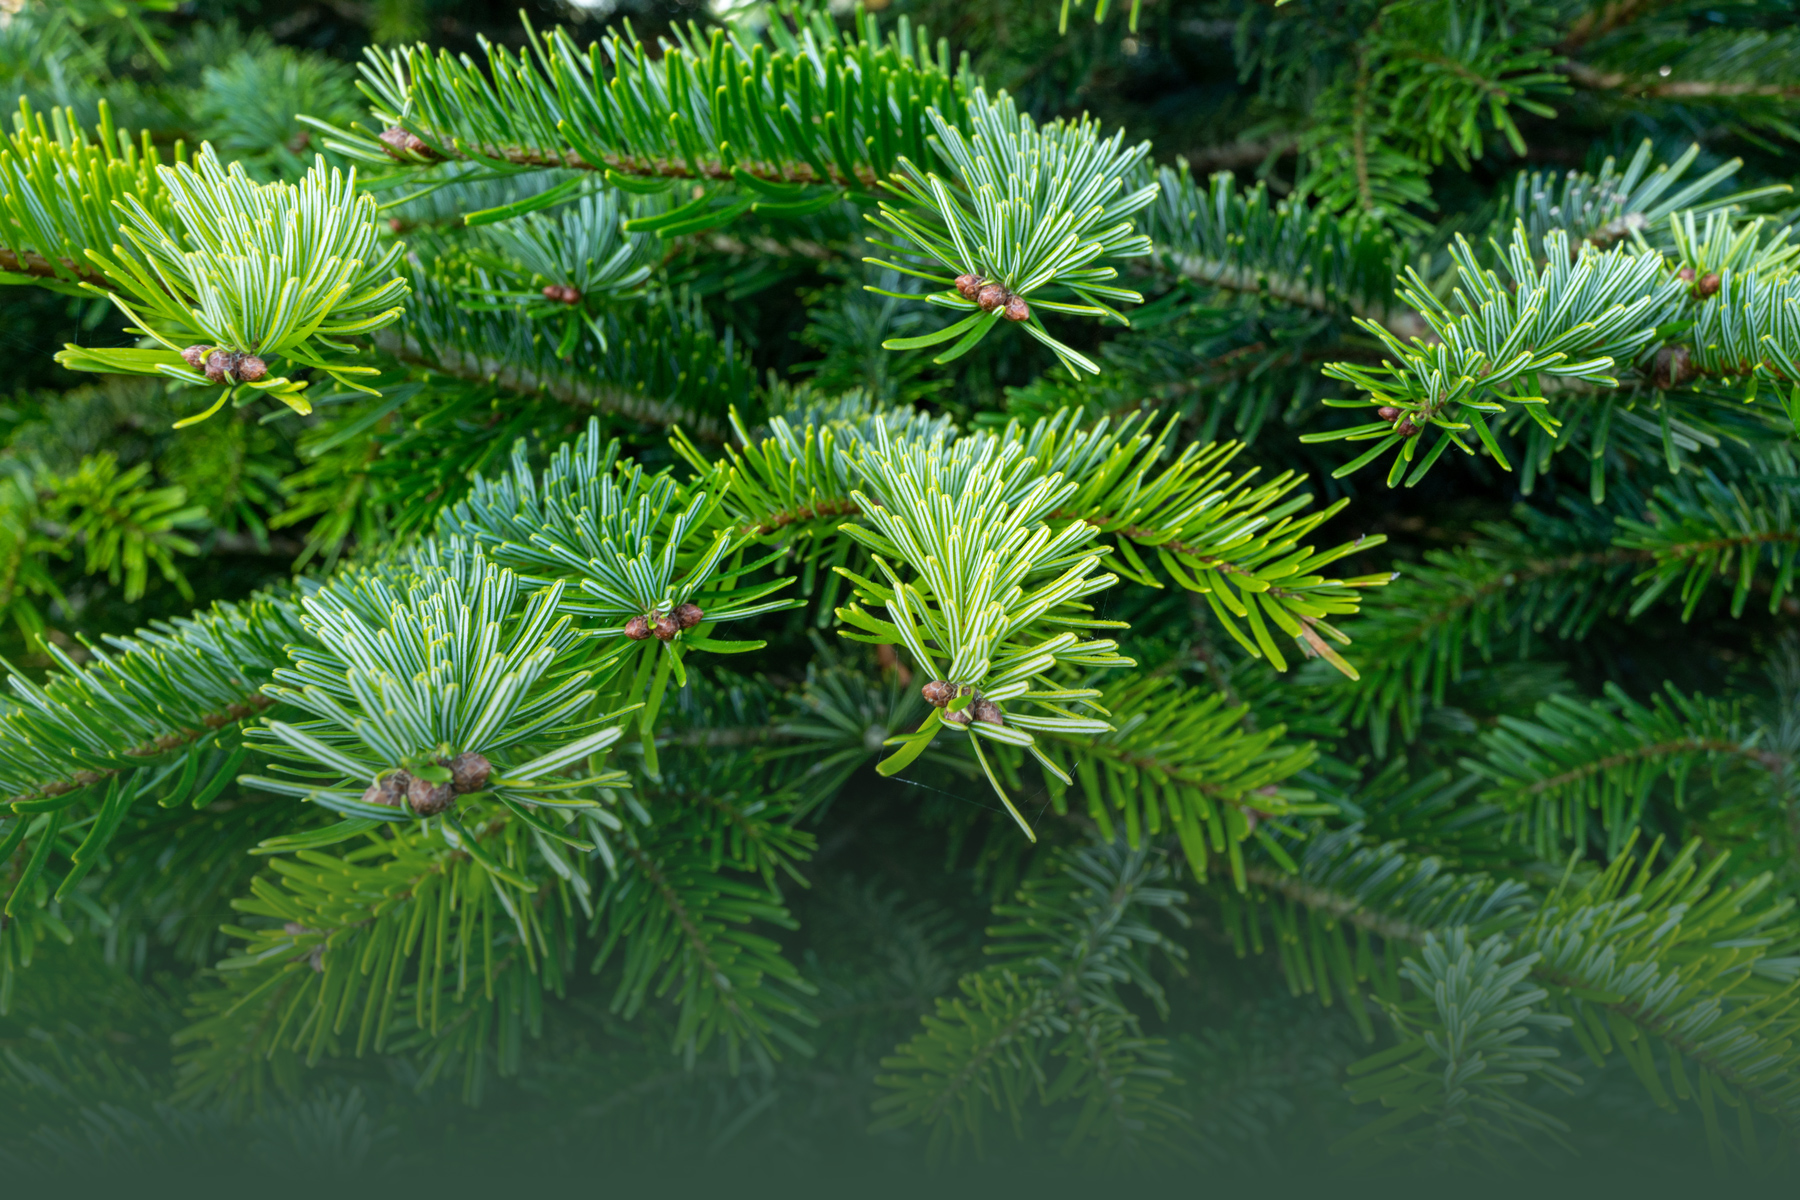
pixel 1244 241
pixel 682 927
pixel 1187 762
pixel 1050 1001
pixel 803 108
pixel 660 363
pixel 1607 756
pixel 151 695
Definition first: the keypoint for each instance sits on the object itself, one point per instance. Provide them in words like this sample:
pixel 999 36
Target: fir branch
pixel 1235 541
pixel 1607 756
pixel 1718 527
pixel 394 946
pixel 199 285
pixel 1679 957
pixel 1613 204
pixel 1543 575
pixel 173 683
pixel 663 364
pixel 1606 18
pixel 789 112
pixel 1688 960
pixel 1244 241
pixel 1050 1000
pixel 1669 89
pixel 682 926
pixel 1190 761
pixel 29 262
pixel 59 193
pixel 1448 1082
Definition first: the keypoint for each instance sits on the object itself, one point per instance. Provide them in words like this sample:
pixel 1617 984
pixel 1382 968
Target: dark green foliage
pixel 1111 769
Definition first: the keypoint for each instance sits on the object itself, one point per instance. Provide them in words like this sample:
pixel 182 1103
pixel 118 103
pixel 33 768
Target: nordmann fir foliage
pixel 663 676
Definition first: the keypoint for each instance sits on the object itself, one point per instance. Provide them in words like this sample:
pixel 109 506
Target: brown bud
pixel 1709 284
pixel 991 296
pixel 469 772
pixel 987 711
pixel 637 629
pixel 562 293
pixel 401 144
pixel 666 628
pixel 1672 367
pixel 1016 309
pixel 969 286
pixel 1388 413
pixel 218 366
pixel 195 357
pixel 957 718
pixel 1686 275
pixel 937 693
pixel 389 790
pixel 429 799
pixel 250 368
pixel 1405 428
pixel 688 615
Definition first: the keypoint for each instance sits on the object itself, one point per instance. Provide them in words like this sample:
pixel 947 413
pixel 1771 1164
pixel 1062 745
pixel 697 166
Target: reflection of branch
pixel 1671 89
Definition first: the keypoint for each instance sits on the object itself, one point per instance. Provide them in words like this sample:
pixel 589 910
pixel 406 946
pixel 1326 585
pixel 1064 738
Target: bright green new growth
pixel 269 270
pixel 994 584
pixel 1045 205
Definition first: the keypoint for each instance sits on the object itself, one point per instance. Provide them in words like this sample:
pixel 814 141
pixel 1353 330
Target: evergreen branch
pixel 614 527
pixel 1675 957
pixel 1544 575
pixel 660 363
pixel 1243 241
pixel 60 194
pixel 1050 1000
pixel 1449 1082
pixel 805 107
pixel 35 265
pixel 1374 888
pixel 1187 761
pixel 843 718
pixel 1570 319
pixel 1613 205
pixel 205 285
pixel 1715 527
pixel 1684 959
pixel 1236 542
pixel 122 525
pixel 433 680
pixel 684 926
pixel 1607 756
pixel 1059 182
pixel 1603 19
pixel 172 684
pixel 401 945
pixel 1674 89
